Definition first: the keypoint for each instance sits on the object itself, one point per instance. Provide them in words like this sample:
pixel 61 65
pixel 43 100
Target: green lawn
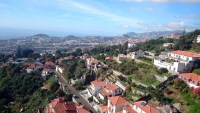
pixel 51 80
pixel 146 80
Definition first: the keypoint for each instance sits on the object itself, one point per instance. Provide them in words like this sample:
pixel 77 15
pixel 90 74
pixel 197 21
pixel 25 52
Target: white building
pixel 133 44
pixel 96 87
pixel 60 69
pixel 140 107
pixel 177 61
pixel 115 105
pixel 136 54
pixel 110 90
pixel 198 39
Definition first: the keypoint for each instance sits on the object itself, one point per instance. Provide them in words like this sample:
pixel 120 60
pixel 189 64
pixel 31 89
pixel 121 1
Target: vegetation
pixel 188 42
pixel 145 59
pixel 156 44
pixel 197 71
pixel 74 68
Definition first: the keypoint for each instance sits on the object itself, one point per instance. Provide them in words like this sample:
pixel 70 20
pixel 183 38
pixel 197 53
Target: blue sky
pixel 96 17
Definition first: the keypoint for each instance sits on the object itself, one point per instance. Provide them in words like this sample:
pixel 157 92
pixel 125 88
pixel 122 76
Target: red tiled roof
pixel 50 63
pixel 34 66
pixel 105 91
pixel 60 60
pixel 133 42
pixel 98 83
pixel 129 109
pixel 46 70
pixel 105 108
pixel 112 87
pixel 192 76
pixel 82 109
pixel 55 101
pixel 93 59
pixel 121 55
pixel 186 53
pixel 147 108
pixel 108 58
pixel 46 86
pixel 118 100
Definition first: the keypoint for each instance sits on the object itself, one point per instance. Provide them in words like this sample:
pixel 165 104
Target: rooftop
pixel 186 53
pixel 118 100
pixel 99 83
pixel 192 76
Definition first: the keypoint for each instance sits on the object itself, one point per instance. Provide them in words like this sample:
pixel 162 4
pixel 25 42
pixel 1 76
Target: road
pixel 74 91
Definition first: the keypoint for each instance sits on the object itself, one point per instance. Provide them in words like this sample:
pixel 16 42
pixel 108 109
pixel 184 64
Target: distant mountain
pixel 153 33
pixel 41 35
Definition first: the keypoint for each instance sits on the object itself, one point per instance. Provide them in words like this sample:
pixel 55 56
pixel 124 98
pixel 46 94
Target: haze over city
pixel 96 17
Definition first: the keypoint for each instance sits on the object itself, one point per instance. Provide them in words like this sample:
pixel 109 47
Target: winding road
pixel 74 91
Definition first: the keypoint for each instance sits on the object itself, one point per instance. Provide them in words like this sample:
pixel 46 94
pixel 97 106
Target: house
pixel 136 54
pixel 110 90
pixel 177 61
pixel 115 105
pixel 69 57
pixel 108 59
pixel 58 105
pixel 45 73
pixel 168 44
pixel 59 69
pixel 174 35
pixel 192 79
pixel 84 57
pixel 50 65
pixel 121 56
pixel 91 63
pixel 33 67
pixel 140 107
pixel 96 87
pixel 198 39
pixel 133 44
pixel 45 86
pixel 59 60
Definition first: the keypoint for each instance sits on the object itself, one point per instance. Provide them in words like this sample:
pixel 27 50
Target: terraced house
pixel 178 61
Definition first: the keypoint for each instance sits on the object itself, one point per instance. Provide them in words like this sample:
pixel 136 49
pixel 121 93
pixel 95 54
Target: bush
pixel 162 70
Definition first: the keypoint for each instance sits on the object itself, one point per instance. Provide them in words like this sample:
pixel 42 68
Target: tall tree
pixel 18 54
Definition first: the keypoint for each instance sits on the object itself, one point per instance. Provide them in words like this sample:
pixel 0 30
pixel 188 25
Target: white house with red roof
pixel 96 87
pixel 115 105
pixel 177 61
pixel 45 73
pixel 140 107
pixel 50 65
pixel 133 44
pixel 33 67
pixel 110 90
pixel 121 56
pixel 135 54
pixel 58 105
pixel 192 79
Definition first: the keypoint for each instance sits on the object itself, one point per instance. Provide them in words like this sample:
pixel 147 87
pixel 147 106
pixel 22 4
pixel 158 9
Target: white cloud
pixel 125 26
pixel 149 9
pixel 162 1
pixel 89 9
pixel 188 16
pixel 175 25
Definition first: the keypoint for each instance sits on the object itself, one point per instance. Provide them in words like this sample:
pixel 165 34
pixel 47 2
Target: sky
pixel 20 18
